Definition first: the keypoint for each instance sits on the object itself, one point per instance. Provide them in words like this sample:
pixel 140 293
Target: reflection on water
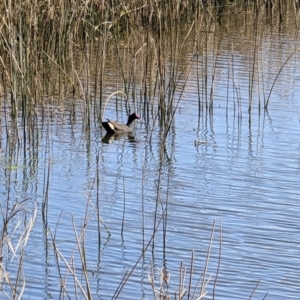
pixel 110 138
pixel 242 171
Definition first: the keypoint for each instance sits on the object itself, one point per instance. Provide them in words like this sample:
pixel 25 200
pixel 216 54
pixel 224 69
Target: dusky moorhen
pixel 114 128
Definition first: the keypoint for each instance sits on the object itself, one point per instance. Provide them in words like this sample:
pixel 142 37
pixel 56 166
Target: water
pixel 241 173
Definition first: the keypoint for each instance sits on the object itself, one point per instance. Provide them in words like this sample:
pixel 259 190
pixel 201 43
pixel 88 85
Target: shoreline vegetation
pixel 59 52
pixel 56 58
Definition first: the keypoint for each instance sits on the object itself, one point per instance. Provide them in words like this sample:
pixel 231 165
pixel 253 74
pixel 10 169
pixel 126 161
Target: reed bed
pixel 60 52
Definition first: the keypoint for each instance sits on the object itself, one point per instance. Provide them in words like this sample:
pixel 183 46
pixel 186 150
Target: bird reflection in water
pixel 110 138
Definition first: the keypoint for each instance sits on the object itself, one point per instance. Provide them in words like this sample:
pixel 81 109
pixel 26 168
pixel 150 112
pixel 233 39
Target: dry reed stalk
pixel 214 72
pixel 219 262
pixel 252 72
pixel 278 73
pixel 80 248
pixel 124 207
pixel 23 225
pixel 143 206
pixel 129 273
pixel 96 208
pixel 110 96
pixel 159 291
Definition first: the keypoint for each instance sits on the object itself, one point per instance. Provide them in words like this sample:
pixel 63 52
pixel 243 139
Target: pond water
pixel 238 170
